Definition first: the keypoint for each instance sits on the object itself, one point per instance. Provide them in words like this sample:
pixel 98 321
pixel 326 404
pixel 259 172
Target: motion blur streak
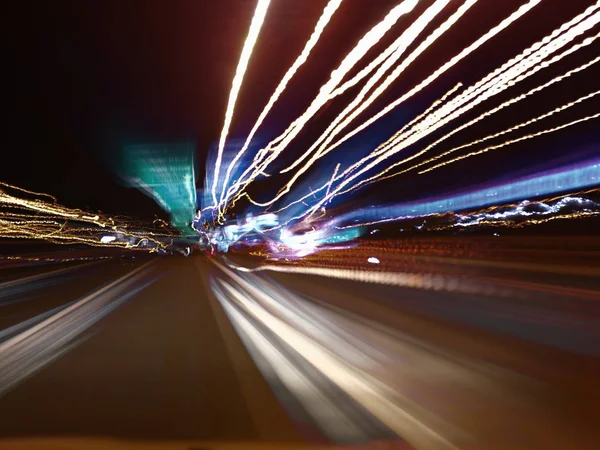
pixel 486 114
pixel 350 60
pixel 418 383
pixel 389 278
pixel 359 104
pixel 375 396
pixel 455 310
pixel 277 367
pixel 328 13
pixel 38 346
pixel 255 26
pixel 574 28
pixel 542 184
pixel 512 141
pixel 24 218
pixel 431 282
pixel 34 282
pixel 535 58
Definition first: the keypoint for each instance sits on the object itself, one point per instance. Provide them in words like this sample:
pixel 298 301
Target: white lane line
pixel 275 364
pixel 12 342
pixel 367 391
pixel 27 353
pixel 31 321
pixel 41 276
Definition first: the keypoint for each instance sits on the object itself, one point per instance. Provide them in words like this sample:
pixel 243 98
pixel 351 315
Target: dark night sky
pixel 84 77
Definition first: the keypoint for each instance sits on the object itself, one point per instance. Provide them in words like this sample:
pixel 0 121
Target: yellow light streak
pixel 37 194
pixel 22 218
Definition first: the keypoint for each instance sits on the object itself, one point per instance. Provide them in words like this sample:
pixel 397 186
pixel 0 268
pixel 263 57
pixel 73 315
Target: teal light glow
pixel 165 172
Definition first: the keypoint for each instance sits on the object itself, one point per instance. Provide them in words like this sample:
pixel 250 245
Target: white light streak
pixel 255 26
pixel 328 13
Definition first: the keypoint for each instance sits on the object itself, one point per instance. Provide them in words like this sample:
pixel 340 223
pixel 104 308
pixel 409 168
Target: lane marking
pixel 37 328
pixel 269 418
pixel 367 391
pixel 40 276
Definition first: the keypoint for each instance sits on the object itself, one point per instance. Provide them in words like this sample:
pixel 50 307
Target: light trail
pixel 505 215
pixel 465 52
pixel 452 62
pixel 437 117
pixel 351 59
pixel 514 128
pixel 328 13
pixel 579 27
pixel 359 103
pixel 380 177
pixel 568 179
pixel 337 167
pixel 36 194
pixel 453 110
pixel 380 73
pixel 22 218
pixel 255 26
pixel 512 101
pixel 512 141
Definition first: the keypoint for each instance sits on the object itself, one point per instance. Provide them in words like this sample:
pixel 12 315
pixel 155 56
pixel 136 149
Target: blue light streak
pixel 548 183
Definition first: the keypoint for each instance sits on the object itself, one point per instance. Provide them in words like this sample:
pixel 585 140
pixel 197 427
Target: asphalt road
pixel 163 365
pixel 196 349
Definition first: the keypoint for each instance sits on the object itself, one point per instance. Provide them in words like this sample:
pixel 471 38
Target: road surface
pixel 182 349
